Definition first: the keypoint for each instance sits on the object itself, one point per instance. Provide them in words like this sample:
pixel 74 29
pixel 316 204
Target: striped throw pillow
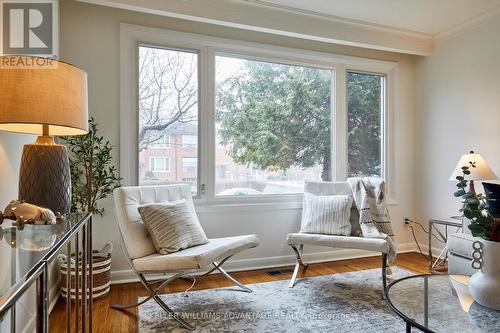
pixel 172 226
pixel 326 214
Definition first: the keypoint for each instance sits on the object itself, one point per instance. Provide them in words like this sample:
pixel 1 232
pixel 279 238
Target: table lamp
pixel 48 101
pixel 479 169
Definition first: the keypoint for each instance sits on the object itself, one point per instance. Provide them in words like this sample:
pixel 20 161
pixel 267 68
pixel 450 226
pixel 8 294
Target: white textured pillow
pixel 326 214
pixel 172 226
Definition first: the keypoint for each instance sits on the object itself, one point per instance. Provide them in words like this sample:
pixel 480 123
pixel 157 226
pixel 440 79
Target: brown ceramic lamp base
pixel 44 177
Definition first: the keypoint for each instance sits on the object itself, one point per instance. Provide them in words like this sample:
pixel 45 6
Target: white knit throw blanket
pixel 374 217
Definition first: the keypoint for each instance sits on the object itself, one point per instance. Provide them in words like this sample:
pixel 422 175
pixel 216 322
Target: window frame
pixel 131 36
pixel 165 158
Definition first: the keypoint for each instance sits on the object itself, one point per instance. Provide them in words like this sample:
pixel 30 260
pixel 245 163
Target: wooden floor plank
pixel 107 319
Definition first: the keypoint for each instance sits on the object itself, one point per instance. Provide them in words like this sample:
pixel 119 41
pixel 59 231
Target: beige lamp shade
pixel 33 96
pixel 479 169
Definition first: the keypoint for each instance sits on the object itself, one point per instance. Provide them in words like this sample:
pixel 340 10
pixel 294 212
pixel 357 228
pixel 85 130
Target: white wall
pixel 11 147
pixel 90 40
pixel 458 103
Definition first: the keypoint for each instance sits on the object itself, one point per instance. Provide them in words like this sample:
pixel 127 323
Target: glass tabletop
pixel 21 251
pixel 440 303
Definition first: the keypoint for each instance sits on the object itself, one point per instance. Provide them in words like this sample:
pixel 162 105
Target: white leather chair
pixel 297 240
pixel 141 253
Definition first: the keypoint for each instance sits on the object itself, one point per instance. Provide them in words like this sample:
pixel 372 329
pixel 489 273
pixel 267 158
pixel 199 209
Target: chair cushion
pixel 135 235
pixel 347 242
pixel 461 244
pixel 326 214
pixel 172 226
pixel 196 257
pixel 336 188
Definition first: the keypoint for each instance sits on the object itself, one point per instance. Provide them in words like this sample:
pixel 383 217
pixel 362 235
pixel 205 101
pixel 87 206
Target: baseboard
pixel 436 250
pixel 128 276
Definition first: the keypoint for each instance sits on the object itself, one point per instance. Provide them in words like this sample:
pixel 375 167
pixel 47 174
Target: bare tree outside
pixel 168 92
pixel 168 116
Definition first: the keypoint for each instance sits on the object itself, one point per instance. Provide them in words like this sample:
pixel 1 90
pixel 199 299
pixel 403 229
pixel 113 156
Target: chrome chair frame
pixel 300 262
pixel 153 292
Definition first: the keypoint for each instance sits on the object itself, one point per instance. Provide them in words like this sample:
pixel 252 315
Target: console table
pixel 450 222
pixel 25 258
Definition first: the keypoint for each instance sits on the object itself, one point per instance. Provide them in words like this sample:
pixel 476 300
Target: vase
pixel 484 285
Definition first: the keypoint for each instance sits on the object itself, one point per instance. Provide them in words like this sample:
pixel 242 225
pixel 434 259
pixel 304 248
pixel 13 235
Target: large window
pixel 273 126
pixel 168 113
pixel 365 105
pixel 245 122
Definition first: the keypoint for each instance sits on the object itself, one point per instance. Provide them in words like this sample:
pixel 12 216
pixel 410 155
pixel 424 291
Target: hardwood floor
pixel 107 319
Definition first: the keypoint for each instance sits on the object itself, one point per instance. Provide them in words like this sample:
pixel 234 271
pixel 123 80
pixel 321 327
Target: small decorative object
pixel 101 266
pixel 484 285
pixel 92 174
pixel 24 213
pixel 47 100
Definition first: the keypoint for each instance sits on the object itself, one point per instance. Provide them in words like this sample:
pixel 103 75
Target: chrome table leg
pixel 91 280
pixel 42 302
pixel 68 287
pixel 77 282
pixel 84 280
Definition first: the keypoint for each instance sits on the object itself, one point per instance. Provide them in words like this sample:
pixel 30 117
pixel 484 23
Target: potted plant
pixel 93 178
pixel 485 284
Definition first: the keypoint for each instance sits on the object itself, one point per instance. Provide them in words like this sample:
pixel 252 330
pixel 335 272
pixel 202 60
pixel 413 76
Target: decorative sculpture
pixel 24 213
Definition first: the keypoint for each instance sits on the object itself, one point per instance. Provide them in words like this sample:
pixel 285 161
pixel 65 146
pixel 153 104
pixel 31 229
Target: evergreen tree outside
pixel 276 116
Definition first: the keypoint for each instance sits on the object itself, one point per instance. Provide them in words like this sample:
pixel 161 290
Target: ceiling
pixel 403 26
pixel 431 17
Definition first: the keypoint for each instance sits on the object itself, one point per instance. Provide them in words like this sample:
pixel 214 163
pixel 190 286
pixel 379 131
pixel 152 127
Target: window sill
pixel 270 205
pixel 247 206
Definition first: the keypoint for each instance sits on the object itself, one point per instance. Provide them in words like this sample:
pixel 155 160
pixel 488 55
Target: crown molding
pixel 257 16
pixel 468 24
pixel 369 25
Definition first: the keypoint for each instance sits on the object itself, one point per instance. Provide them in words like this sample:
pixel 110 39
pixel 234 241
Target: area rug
pixel 346 302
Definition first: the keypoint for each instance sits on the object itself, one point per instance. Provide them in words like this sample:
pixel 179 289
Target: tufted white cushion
pixel 127 199
pixel 196 257
pixel 347 242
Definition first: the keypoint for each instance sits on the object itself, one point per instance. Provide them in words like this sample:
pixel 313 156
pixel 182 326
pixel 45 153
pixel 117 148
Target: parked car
pixel 239 191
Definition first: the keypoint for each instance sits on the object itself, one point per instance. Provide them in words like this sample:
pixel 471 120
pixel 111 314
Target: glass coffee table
pixel 440 303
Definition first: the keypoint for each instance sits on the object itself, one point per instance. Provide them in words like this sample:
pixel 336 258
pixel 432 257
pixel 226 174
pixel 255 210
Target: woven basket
pixel 101 266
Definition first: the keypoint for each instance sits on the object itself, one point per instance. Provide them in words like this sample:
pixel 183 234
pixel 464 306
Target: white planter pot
pixel 484 285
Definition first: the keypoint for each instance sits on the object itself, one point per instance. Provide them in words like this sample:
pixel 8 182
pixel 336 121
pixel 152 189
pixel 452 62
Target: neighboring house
pixel 173 158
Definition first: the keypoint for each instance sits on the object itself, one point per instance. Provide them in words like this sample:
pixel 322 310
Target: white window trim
pixel 207 47
pixel 166 158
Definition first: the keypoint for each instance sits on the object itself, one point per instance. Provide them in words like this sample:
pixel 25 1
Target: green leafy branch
pixel 475 208
pixel 93 177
